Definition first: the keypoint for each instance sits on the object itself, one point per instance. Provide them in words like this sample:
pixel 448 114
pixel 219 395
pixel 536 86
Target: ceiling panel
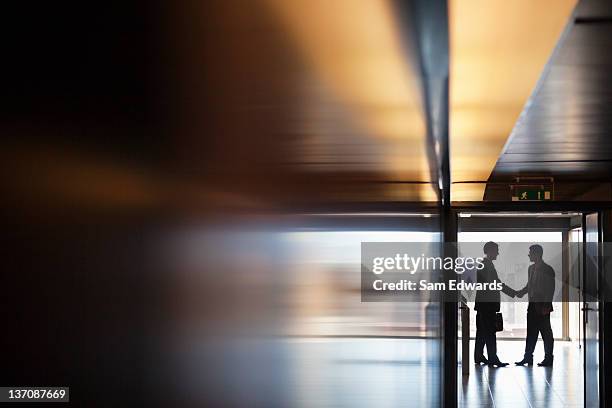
pixel 498 51
pixel 305 100
pixel 564 131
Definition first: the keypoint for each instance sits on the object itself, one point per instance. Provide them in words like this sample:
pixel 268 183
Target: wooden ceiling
pixel 564 130
pixel 498 50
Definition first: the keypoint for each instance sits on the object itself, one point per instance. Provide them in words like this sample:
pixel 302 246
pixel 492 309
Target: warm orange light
pixel 498 51
pixel 356 52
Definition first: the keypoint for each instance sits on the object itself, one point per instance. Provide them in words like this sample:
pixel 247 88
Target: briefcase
pixel 499 322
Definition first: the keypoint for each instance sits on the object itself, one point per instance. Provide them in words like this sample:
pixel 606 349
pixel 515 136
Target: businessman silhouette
pixel 540 289
pixel 487 304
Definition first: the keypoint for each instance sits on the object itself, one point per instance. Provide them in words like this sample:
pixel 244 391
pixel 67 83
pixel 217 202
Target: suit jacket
pixel 540 287
pixel 488 300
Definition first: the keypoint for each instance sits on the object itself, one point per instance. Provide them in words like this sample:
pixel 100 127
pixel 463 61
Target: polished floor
pixel 369 372
pixel 517 387
pixel 365 372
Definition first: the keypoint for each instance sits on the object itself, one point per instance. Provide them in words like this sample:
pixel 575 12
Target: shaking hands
pixel 509 291
pixel 521 292
pixel 514 293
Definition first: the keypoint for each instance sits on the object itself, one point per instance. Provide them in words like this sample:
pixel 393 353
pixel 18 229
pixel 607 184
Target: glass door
pixel 590 309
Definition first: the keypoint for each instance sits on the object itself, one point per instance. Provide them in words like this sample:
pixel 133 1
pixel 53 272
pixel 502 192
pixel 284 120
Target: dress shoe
pixel 547 362
pixel 524 361
pixel 497 363
pixel 481 360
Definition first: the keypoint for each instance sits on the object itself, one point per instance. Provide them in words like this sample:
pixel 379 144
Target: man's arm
pixel 550 284
pixel 508 290
pixel 522 292
pixel 505 288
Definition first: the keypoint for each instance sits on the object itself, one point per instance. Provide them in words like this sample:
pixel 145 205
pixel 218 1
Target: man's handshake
pixel 509 291
pixel 521 292
pixel 514 293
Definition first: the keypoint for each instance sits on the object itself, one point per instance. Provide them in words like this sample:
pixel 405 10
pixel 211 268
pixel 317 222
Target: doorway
pixel 570 246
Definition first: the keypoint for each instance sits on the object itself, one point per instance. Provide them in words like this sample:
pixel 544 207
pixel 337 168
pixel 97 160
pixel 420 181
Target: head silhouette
pixel 491 250
pixel 535 253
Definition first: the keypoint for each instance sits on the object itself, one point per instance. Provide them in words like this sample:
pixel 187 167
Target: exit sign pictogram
pixel 532 193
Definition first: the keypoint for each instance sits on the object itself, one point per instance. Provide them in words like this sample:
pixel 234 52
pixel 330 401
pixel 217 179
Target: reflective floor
pixel 309 372
pixel 517 387
pixel 365 372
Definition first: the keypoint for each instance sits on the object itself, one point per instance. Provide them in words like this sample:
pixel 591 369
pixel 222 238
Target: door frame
pixel 599 309
pixel 450 312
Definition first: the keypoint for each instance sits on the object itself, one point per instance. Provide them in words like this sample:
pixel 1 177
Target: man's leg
pixel 490 338
pixel 480 338
pixel 547 336
pixel 532 335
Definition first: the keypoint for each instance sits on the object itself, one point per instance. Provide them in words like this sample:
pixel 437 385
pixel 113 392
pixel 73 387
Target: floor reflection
pixel 516 387
pixel 365 372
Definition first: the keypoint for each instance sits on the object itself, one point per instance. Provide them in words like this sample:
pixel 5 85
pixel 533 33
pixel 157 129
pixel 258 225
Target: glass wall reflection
pixel 271 315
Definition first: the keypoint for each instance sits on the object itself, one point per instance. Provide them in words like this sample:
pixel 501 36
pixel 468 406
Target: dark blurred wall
pixel 123 125
pixel 81 135
pixel 131 132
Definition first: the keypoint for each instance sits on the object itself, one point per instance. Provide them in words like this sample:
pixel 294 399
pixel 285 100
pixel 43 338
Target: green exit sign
pixel 532 193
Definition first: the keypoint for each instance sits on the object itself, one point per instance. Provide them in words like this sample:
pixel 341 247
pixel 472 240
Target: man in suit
pixel 541 289
pixel 487 304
